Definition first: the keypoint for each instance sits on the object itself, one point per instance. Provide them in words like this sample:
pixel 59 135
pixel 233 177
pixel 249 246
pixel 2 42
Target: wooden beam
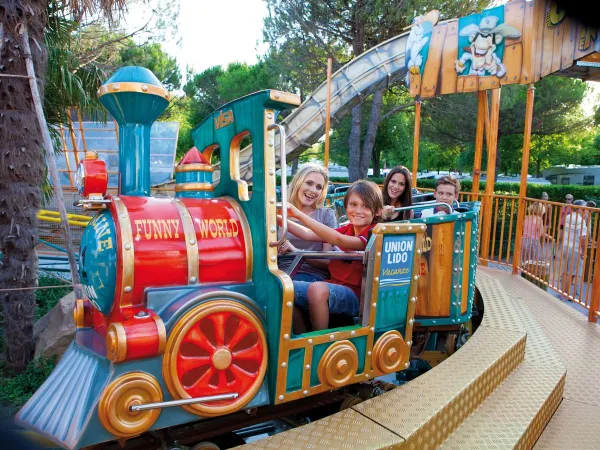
pixel 416 138
pixel 523 182
pixel 482 107
pixel 490 175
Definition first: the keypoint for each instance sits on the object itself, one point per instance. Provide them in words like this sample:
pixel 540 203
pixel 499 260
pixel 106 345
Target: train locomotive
pixel 188 317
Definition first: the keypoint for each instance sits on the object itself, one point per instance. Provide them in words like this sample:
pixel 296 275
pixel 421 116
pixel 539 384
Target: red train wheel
pixel 218 347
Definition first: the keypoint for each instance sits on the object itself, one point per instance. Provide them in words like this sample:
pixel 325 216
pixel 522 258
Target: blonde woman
pixel 307 192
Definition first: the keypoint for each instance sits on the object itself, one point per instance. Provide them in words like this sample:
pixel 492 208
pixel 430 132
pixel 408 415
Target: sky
pixel 212 33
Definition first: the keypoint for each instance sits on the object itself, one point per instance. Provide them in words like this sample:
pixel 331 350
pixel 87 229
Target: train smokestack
pixel 135 98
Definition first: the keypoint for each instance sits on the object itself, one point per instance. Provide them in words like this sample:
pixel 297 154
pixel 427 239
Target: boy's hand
pixel 285 247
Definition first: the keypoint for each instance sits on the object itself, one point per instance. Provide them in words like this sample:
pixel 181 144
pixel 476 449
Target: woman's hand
pixel 292 211
pixel 285 247
pixel 387 212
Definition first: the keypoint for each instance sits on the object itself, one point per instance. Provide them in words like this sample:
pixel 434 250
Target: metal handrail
pixel 283 165
pixel 300 255
pixel 425 205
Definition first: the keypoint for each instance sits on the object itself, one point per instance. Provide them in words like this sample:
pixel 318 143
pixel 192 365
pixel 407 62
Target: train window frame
pixel 234 165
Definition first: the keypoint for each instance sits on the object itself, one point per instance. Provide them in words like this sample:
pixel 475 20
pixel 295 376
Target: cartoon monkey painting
pixel 484 38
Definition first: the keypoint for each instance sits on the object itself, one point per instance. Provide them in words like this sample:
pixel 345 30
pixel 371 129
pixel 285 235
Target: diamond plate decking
pixel 500 391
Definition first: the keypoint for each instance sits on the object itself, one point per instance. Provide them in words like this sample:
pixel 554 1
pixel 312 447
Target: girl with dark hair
pixel 397 193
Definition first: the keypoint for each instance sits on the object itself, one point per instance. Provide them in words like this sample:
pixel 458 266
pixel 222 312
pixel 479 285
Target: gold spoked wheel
pixel 338 364
pixel 134 388
pixel 218 347
pixel 389 353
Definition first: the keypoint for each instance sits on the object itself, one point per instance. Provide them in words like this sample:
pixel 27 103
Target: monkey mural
pixel 484 39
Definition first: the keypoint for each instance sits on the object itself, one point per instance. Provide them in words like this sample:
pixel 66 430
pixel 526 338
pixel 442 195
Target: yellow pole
pixel 416 137
pixel 523 183
pixel 327 114
pixel 491 174
pixel 482 108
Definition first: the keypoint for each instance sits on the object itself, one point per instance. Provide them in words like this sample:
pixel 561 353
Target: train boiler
pixel 187 316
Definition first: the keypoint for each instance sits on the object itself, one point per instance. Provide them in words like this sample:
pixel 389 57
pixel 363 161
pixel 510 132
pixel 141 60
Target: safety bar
pixel 185 401
pixel 283 166
pixel 299 256
pixel 426 205
pixel 341 189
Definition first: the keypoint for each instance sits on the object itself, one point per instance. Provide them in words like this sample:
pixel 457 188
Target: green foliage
pixel 17 389
pixel 47 298
pixel 153 57
pixel 560 131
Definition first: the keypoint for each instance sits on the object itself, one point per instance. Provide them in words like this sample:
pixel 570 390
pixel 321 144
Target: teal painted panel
pixel 295 367
pixel 98 261
pixel 248 114
pixel 395 275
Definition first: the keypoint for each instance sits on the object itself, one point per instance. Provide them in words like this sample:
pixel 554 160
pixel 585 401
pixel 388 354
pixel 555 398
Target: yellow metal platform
pixel 531 355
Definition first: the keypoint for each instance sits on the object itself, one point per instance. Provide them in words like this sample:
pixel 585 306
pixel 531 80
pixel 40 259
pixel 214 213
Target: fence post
pixel 595 290
pixel 523 183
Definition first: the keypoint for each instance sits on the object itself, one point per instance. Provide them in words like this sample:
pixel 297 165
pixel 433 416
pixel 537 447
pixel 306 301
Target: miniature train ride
pixel 188 317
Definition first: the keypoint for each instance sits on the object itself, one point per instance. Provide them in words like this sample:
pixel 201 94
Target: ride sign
pixel 397 260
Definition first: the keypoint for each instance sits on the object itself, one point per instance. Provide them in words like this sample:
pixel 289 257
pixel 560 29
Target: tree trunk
pixel 376 163
pixel 294 166
pixel 354 144
pixel 537 168
pixel 21 175
pixel 358 47
pixel 367 148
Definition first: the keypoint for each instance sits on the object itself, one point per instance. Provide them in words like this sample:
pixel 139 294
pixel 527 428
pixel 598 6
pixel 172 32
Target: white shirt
pixel 575 229
pixel 429 212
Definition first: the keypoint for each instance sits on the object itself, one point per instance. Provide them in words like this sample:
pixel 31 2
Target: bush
pixel 46 298
pixel 16 390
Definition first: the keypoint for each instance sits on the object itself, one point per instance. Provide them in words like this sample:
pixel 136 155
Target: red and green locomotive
pixel 187 315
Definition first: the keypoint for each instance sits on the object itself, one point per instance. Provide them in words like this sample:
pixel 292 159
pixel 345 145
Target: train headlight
pixel 91 178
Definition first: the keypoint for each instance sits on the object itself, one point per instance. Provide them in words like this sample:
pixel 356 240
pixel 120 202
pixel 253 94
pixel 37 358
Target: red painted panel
pixel 221 240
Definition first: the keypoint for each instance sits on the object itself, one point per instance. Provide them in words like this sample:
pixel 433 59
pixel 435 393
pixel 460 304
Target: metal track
pixel 379 67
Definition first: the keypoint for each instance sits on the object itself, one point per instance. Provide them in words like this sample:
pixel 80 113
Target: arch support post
pixel 523 182
pixel 491 176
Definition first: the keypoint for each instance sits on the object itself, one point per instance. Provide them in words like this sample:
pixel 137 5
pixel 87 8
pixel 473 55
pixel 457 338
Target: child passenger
pixel 340 294
pixel 446 191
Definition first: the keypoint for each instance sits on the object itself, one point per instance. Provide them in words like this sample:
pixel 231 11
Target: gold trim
pixel 127 256
pixel 234 165
pixel 466 265
pixel 162 334
pixel 338 365
pixel 133 388
pixel 194 167
pixel 116 342
pixel 208 151
pixel 79 313
pixel 389 353
pixel 247 235
pixel 186 187
pixel 285 97
pixel 191 242
pixel 132 86
pixel 179 331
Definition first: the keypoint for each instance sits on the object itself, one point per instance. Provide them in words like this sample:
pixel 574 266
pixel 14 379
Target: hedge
pixel 556 192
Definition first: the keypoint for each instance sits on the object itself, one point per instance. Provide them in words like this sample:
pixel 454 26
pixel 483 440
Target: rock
pixel 55 330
